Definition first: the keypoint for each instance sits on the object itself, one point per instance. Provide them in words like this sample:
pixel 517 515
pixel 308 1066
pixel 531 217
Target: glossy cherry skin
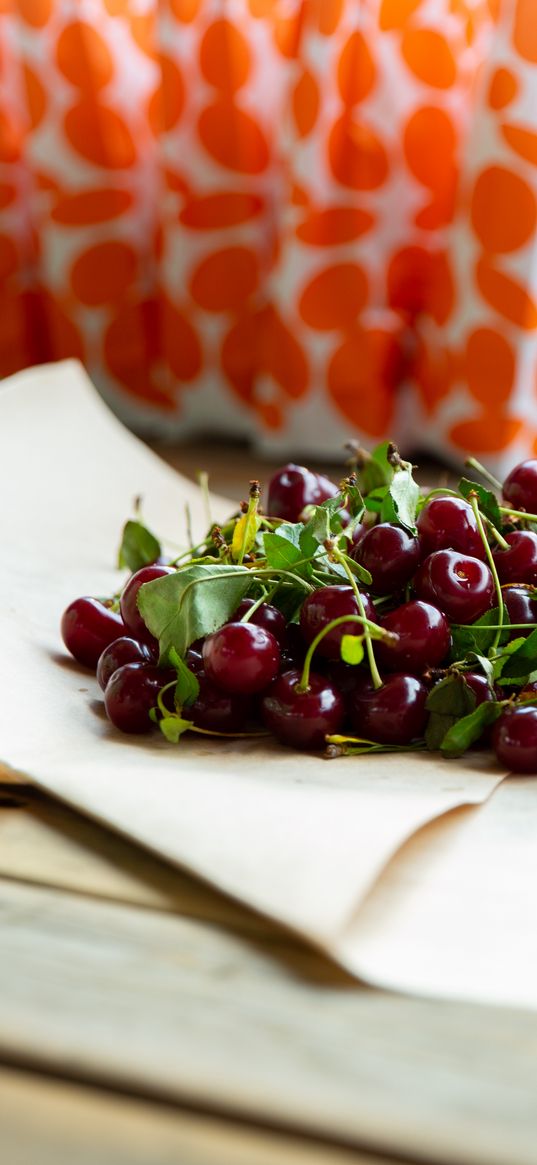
pixel 392 714
pixel 241 657
pixel 515 739
pixel 424 638
pixel 128 605
pixel 521 604
pixel 325 604
pixel 459 585
pixel 519 563
pixel 480 687
pixel 293 487
pixel 266 616
pixel 87 627
pixel 302 719
pixel 390 555
pixel 130 694
pixel 120 652
pixel 214 709
pixel 520 487
pixel 449 524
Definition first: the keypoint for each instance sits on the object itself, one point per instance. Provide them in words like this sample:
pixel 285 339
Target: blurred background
pixel 281 222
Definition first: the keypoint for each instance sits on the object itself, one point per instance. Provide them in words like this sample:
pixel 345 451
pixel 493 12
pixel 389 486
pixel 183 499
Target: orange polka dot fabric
pixel 291 220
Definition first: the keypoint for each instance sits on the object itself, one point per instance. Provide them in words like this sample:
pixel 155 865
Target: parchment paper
pixel 298 837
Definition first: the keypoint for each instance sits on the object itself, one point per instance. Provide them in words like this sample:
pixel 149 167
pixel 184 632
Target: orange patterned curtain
pixel 295 220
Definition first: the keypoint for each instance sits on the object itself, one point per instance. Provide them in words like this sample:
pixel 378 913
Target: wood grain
pixel 164 1006
pixel 45 1122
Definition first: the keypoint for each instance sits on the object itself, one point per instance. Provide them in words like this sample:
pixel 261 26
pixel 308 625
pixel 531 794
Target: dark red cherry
pixel 241 657
pixel 520 487
pixel 521 604
pixel 392 714
pixel 128 605
pixel 424 638
pixel 519 563
pixel 266 616
pixel 302 719
pixel 449 524
pixel 325 604
pixel 462 587
pixel 214 709
pixel 130 694
pixel 390 555
pixel 293 487
pixel 480 687
pixel 515 739
pixel 121 651
pixel 87 627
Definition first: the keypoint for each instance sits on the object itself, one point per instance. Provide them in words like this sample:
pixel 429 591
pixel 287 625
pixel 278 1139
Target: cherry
pixel 266 616
pixel 480 687
pixel 325 604
pixel 390 555
pixel 520 487
pixel 392 714
pixel 519 563
pixel 424 638
pixel 241 657
pixel 515 738
pixel 521 604
pixel 302 719
pixel 121 651
pixel 214 709
pixel 87 627
pixel 128 604
pixel 130 694
pixel 293 487
pixel 449 524
pixel 461 586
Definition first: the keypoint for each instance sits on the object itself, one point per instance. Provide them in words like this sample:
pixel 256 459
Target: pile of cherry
pixel 372 617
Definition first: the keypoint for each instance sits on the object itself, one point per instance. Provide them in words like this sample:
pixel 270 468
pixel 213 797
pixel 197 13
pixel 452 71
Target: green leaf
pixel 377 470
pixel 523 659
pixel 352 648
pixel 450 699
pixel 138 548
pixel 486 665
pixel 466 731
pixel 376 500
pixel 404 494
pixel 476 637
pixel 488 502
pixel 191 603
pixel 173 727
pixel 187 687
pixel 360 571
pixel 283 550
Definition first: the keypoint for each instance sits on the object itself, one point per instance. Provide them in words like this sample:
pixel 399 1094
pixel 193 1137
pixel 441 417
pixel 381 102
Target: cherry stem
pixel 164 711
pixel 472 498
pixel 255 607
pixel 473 463
pixel 369 628
pixel 203 482
pixel 253 503
pixel 496 534
pixel 375 674
pixel 518 514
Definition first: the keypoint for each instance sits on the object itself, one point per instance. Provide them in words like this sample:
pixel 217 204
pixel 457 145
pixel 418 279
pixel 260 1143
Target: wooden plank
pixel 46 1122
pixel 160 1005
pixel 50 844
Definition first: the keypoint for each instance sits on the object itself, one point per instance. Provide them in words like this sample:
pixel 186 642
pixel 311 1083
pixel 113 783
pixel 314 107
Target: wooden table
pixel 145 1019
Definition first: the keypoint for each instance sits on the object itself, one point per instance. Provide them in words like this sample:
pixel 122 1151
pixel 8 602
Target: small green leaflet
pixel 402 499
pixel 173 727
pixel 446 703
pixel 352 649
pixel 187 687
pixel 191 603
pixel 282 550
pixel 465 732
pixel 476 637
pixel 138 548
pixel 377 470
pixel 488 502
pixel 522 660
